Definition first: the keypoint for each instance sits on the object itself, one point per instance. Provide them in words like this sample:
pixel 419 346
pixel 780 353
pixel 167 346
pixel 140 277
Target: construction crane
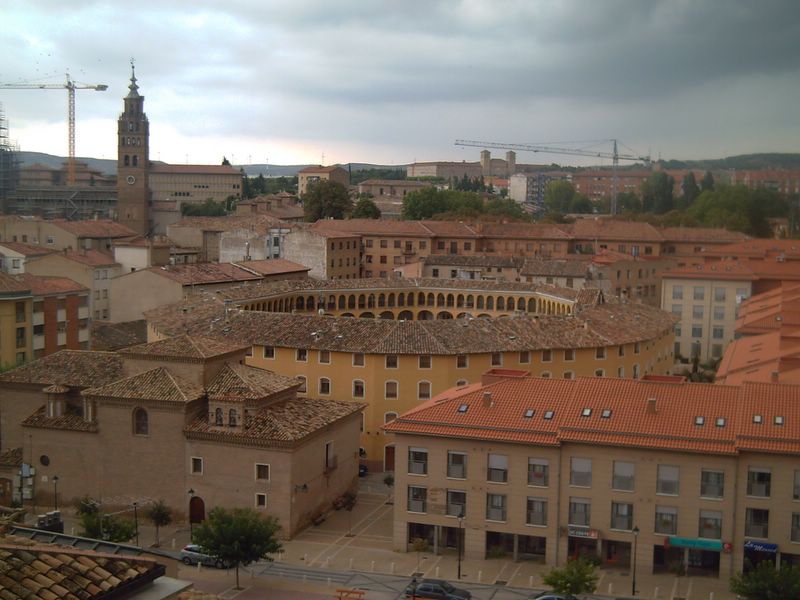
pixel 70 86
pixel 615 156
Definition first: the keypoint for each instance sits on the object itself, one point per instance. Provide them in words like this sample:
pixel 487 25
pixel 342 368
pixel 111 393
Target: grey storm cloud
pixel 418 74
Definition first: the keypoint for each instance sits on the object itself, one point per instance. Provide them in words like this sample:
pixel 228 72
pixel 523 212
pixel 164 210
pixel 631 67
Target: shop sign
pixel 582 532
pixel 760 546
pixel 679 542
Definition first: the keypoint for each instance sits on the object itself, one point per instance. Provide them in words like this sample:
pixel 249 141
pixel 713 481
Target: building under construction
pixel 9 162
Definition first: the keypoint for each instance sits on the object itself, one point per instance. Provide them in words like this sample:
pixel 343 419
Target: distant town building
pixel 319 173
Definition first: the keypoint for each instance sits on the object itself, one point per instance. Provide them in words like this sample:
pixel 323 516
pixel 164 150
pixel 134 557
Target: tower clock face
pixel 131 180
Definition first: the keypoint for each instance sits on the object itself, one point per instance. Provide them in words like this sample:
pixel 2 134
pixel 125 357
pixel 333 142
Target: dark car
pixel 552 596
pixel 436 588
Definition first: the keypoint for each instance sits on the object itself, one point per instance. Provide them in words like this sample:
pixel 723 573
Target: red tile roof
pixel 44 286
pixel 321 169
pixel 99 228
pixel 11 285
pixel 195 348
pixel 729 270
pixel 204 273
pixel 159 168
pixel 613 230
pixel 26 249
pixel 75 368
pixel 701 235
pixel 90 258
pixel 273 266
pixel 618 412
pixel 157 384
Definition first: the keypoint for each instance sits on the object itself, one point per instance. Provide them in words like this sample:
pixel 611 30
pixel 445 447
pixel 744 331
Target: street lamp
pixel 55 492
pixel 635 538
pixel 191 530
pixel 460 539
pixel 136 522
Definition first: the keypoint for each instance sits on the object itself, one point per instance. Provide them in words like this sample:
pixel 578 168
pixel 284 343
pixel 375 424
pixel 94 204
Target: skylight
pixel 529 413
pixel 758 419
pixel 463 408
pixel 586 412
pixel 720 421
pixel 548 414
pixel 778 420
pixel 606 414
pixel 700 421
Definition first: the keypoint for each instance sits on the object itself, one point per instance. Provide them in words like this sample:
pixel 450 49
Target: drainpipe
pixel 558 505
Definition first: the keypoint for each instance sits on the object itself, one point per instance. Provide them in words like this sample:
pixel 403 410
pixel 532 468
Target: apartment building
pixel 417 338
pixel 14 255
pixel 394 188
pixel 62 234
pixel 319 173
pixel 16 314
pixel 328 254
pixel 694 476
pixel 706 299
pixel 194 184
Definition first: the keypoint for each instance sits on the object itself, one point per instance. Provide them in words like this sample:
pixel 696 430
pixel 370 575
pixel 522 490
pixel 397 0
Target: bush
pixel 496 552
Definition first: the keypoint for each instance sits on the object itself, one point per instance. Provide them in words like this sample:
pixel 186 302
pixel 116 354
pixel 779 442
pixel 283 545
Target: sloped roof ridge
pixel 115 388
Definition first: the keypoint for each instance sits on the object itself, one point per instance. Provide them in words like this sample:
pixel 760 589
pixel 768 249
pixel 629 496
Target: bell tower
pixel 133 162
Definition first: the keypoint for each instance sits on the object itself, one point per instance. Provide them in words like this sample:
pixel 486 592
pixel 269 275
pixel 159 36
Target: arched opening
pixel 450 300
pixel 197 510
pixel 440 300
pixel 366 315
pixel 443 315
pixel 410 299
pixel 490 303
pixel 501 303
pixel 342 302
pixel 381 300
pixel 371 301
pixel 460 301
pixel 425 315
pixel 387 315
pixel 332 302
pixel 479 304
pixel 310 303
pixel 420 299
pixel 521 304
pixel 391 300
pixel 431 300
pixel 362 301
pixel 470 301
pixel 511 304
pixel 232 420
pixel 406 315
pixel 351 301
pixel 463 315
pixel 347 314
pixel 141 424
pixel 484 316
pixel 301 303
pixel 532 305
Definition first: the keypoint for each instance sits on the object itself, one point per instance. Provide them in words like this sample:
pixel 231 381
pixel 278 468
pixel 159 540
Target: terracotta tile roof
pixel 449 229
pixel 478 260
pixel 91 258
pixel 272 266
pixel 11 457
pixel 113 336
pixel 157 384
pixel 612 230
pixel 34 571
pixel 12 285
pixel 757 248
pixel 728 270
pixel 397 182
pixel 257 222
pixel 69 421
pixel 701 235
pixel 282 422
pixel 532 231
pixel 196 347
pixel 75 368
pixel 239 382
pixel 25 249
pixel 769 357
pixel 143 242
pixel 555 268
pixel 159 168
pixel 204 273
pixel 367 227
pixel 604 325
pixel 617 412
pixel 41 285
pixel 99 228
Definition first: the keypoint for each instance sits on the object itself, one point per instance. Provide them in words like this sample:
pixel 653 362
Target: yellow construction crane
pixel 70 86
pixel 614 155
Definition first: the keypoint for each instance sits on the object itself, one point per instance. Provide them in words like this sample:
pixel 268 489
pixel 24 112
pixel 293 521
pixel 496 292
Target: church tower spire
pixel 133 161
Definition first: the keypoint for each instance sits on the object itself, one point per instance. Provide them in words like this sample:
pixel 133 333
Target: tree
pixel 628 202
pixel 578 577
pixel 558 196
pixel 326 199
pixel 765 582
pixel 238 536
pixel 103 527
pixel 160 515
pixel 581 204
pixel 209 208
pixel 707 184
pixel 366 209
pixel 690 190
pixel 225 161
pixel 657 193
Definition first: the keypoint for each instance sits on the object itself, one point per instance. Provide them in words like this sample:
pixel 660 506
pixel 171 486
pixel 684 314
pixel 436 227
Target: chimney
pixel 651 406
pixel 487 400
pixel 773 377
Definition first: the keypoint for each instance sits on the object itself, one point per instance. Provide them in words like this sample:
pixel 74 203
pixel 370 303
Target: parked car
pixel 552 596
pixel 436 588
pixel 193 554
pixel 362 470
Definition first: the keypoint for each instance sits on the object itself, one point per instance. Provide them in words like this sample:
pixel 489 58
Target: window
pixel 568 375
pixel 391 361
pixel 623 476
pixel 389 417
pixel 457 465
pixel 524 357
pixel 390 390
pixel 324 386
pixel 269 352
pixel 719 294
pixel 302 380
pixel 698 292
pixel 536 511
pixel 232 419
pixel 462 361
pixel 301 355
pixel 796 488
pixel 358 388
pixel 262 472
pixel 456 503
pixel 718 333
pixel 435 273
pixel 677 292
pixel 697 332
pixel 569 354
pixel 497 468
pixel 417 461
pixel 580 472
pixel 666 520
pixel 424 390
pixel 579 511
pixel 756 522
pixel 197 465
pixel 384 244
pixel 141 425
pixel 796 527
pixel 261 500
pixel 710 525
pixel 497 359
pixel 425 361
pixel 324 357
pixel 759 482
pixel 621 516
pixel 495 507
pixel 712 483
pixel 417 499
pixel 668 480
pixel 600 353
pixel 358 359
pixel 51 240
pixel 697 311
pixel 719 313
pixel 637 348
pixel 538 472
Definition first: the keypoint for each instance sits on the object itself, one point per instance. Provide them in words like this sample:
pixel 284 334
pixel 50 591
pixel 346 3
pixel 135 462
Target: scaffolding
pixel 9 162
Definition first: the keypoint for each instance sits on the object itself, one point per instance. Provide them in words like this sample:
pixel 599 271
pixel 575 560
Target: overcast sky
pixel 391 82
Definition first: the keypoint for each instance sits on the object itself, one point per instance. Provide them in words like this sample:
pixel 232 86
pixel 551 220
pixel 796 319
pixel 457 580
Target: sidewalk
pixel 361 541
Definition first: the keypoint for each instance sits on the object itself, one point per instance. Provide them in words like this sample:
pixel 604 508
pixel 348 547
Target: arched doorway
pixel 197 510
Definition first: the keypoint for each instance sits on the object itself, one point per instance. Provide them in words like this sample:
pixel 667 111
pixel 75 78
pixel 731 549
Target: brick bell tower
pixel 133 162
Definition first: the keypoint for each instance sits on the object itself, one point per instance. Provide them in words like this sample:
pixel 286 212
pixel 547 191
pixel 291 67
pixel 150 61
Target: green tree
pixel 326 199
pixel 657 193
pixel 366 209
pixel 765 582
pixel 558 196
pixel 628 202
pixel 577 577
pixel 690 190
pixel 707 184
pixel 98 526
pixel 160 515
pixel 739 209
pixel 247 188
pixel 238 536
pixel 225 161
pixel 581 204
pixel 209 208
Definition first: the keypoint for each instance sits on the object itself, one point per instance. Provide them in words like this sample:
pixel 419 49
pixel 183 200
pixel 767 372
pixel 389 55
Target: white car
pixel 193 554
